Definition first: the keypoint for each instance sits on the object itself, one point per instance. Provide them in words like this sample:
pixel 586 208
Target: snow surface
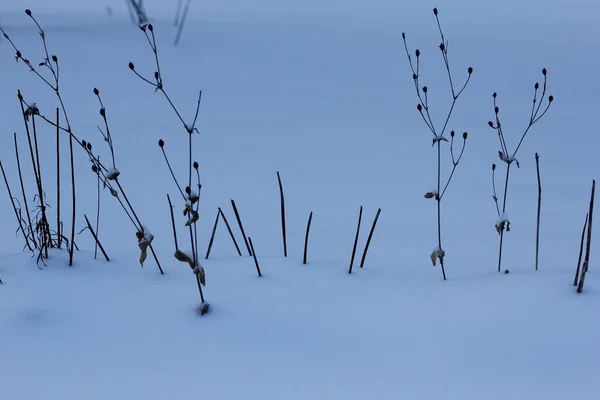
pixel 321 92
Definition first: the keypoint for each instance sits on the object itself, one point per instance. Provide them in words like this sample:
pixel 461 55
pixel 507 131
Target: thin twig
pixel 87 221
pixel 364 256
pixel 356 239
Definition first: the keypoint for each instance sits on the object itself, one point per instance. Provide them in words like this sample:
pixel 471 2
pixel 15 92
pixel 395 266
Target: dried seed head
pixel 419 107
pixel 451 133
pixel 550 99
pixel 196 165
pixel 442 47
pixel 494 95
pixel 150 28
pixel 435 12
pixel 465 134
pixel 131 66
pixel 96 91
pixel 470 70
pixel 417 53
pixel 54 58
pixel 188 190
pixel 89 146
pixel 161 143
pixel 491 124
pixel 18 54
pixel 156 75
pixel 84 143
pixel 537 86
pixel 95 168
pixel 424 89
pixel 544 72
pixel 403 35
pixel 497 110
pixel 102 112
pixel 415 77
pixel 493 167
pixel 28 12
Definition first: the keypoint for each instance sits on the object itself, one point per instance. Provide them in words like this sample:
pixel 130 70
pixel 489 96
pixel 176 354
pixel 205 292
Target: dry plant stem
pixel 195 260
pixel 306 237
pixel 25 202
pixel 58 223
pixel 72 247
pixel 364 256
pixel 439 211
pixel 586 260
pixel 12 200
pixel 254 256
pixel 182 22
pixel 424 110
pixel 178 12
pixel 159 84
pixel 503 211
pixel 539 209
pixel 360 212
pixel 98 180
pixel 130 10
pixel 576 280
pixel 139 224
pixel 508 157
pixel 239 221
pixel 45 229
pixel 230 232
pixel 283 230
pixel 87 221
pixel 173 222
pixel 212 235
pixel 171 169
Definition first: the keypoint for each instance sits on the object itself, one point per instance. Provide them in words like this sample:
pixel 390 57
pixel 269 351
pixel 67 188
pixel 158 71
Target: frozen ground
pixel 325 98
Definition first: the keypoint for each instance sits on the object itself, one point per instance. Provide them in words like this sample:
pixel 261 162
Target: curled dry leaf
pixel 429 195
pixel 144 241
pixel 434 256
pixel 199 271
pixel 114 192
pixel 502 225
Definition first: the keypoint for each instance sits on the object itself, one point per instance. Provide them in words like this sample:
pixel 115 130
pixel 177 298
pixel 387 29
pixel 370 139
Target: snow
pixel 323 94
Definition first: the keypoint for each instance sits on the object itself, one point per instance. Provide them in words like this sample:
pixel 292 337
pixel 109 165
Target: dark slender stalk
pixel 539 209
pixel 254 256
pixel 239 221
pixel 356 239
pixel 87 221
pixel 45 226
pixel 58 223
pixel 156 259
pixel 503 211
pixel 439 209
pixel 72 247
pixel 306 237
pixel 25 202
pixel 130 10
pixel 97 210
pixel 212 235
pixel 173 222
pixel 12 200
pixel 139 224
pixel 178 12
pixel 182 22
pixel 283 230
pixel 230 232
pixel 364 256
pixel 576 280
pixel 588 245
